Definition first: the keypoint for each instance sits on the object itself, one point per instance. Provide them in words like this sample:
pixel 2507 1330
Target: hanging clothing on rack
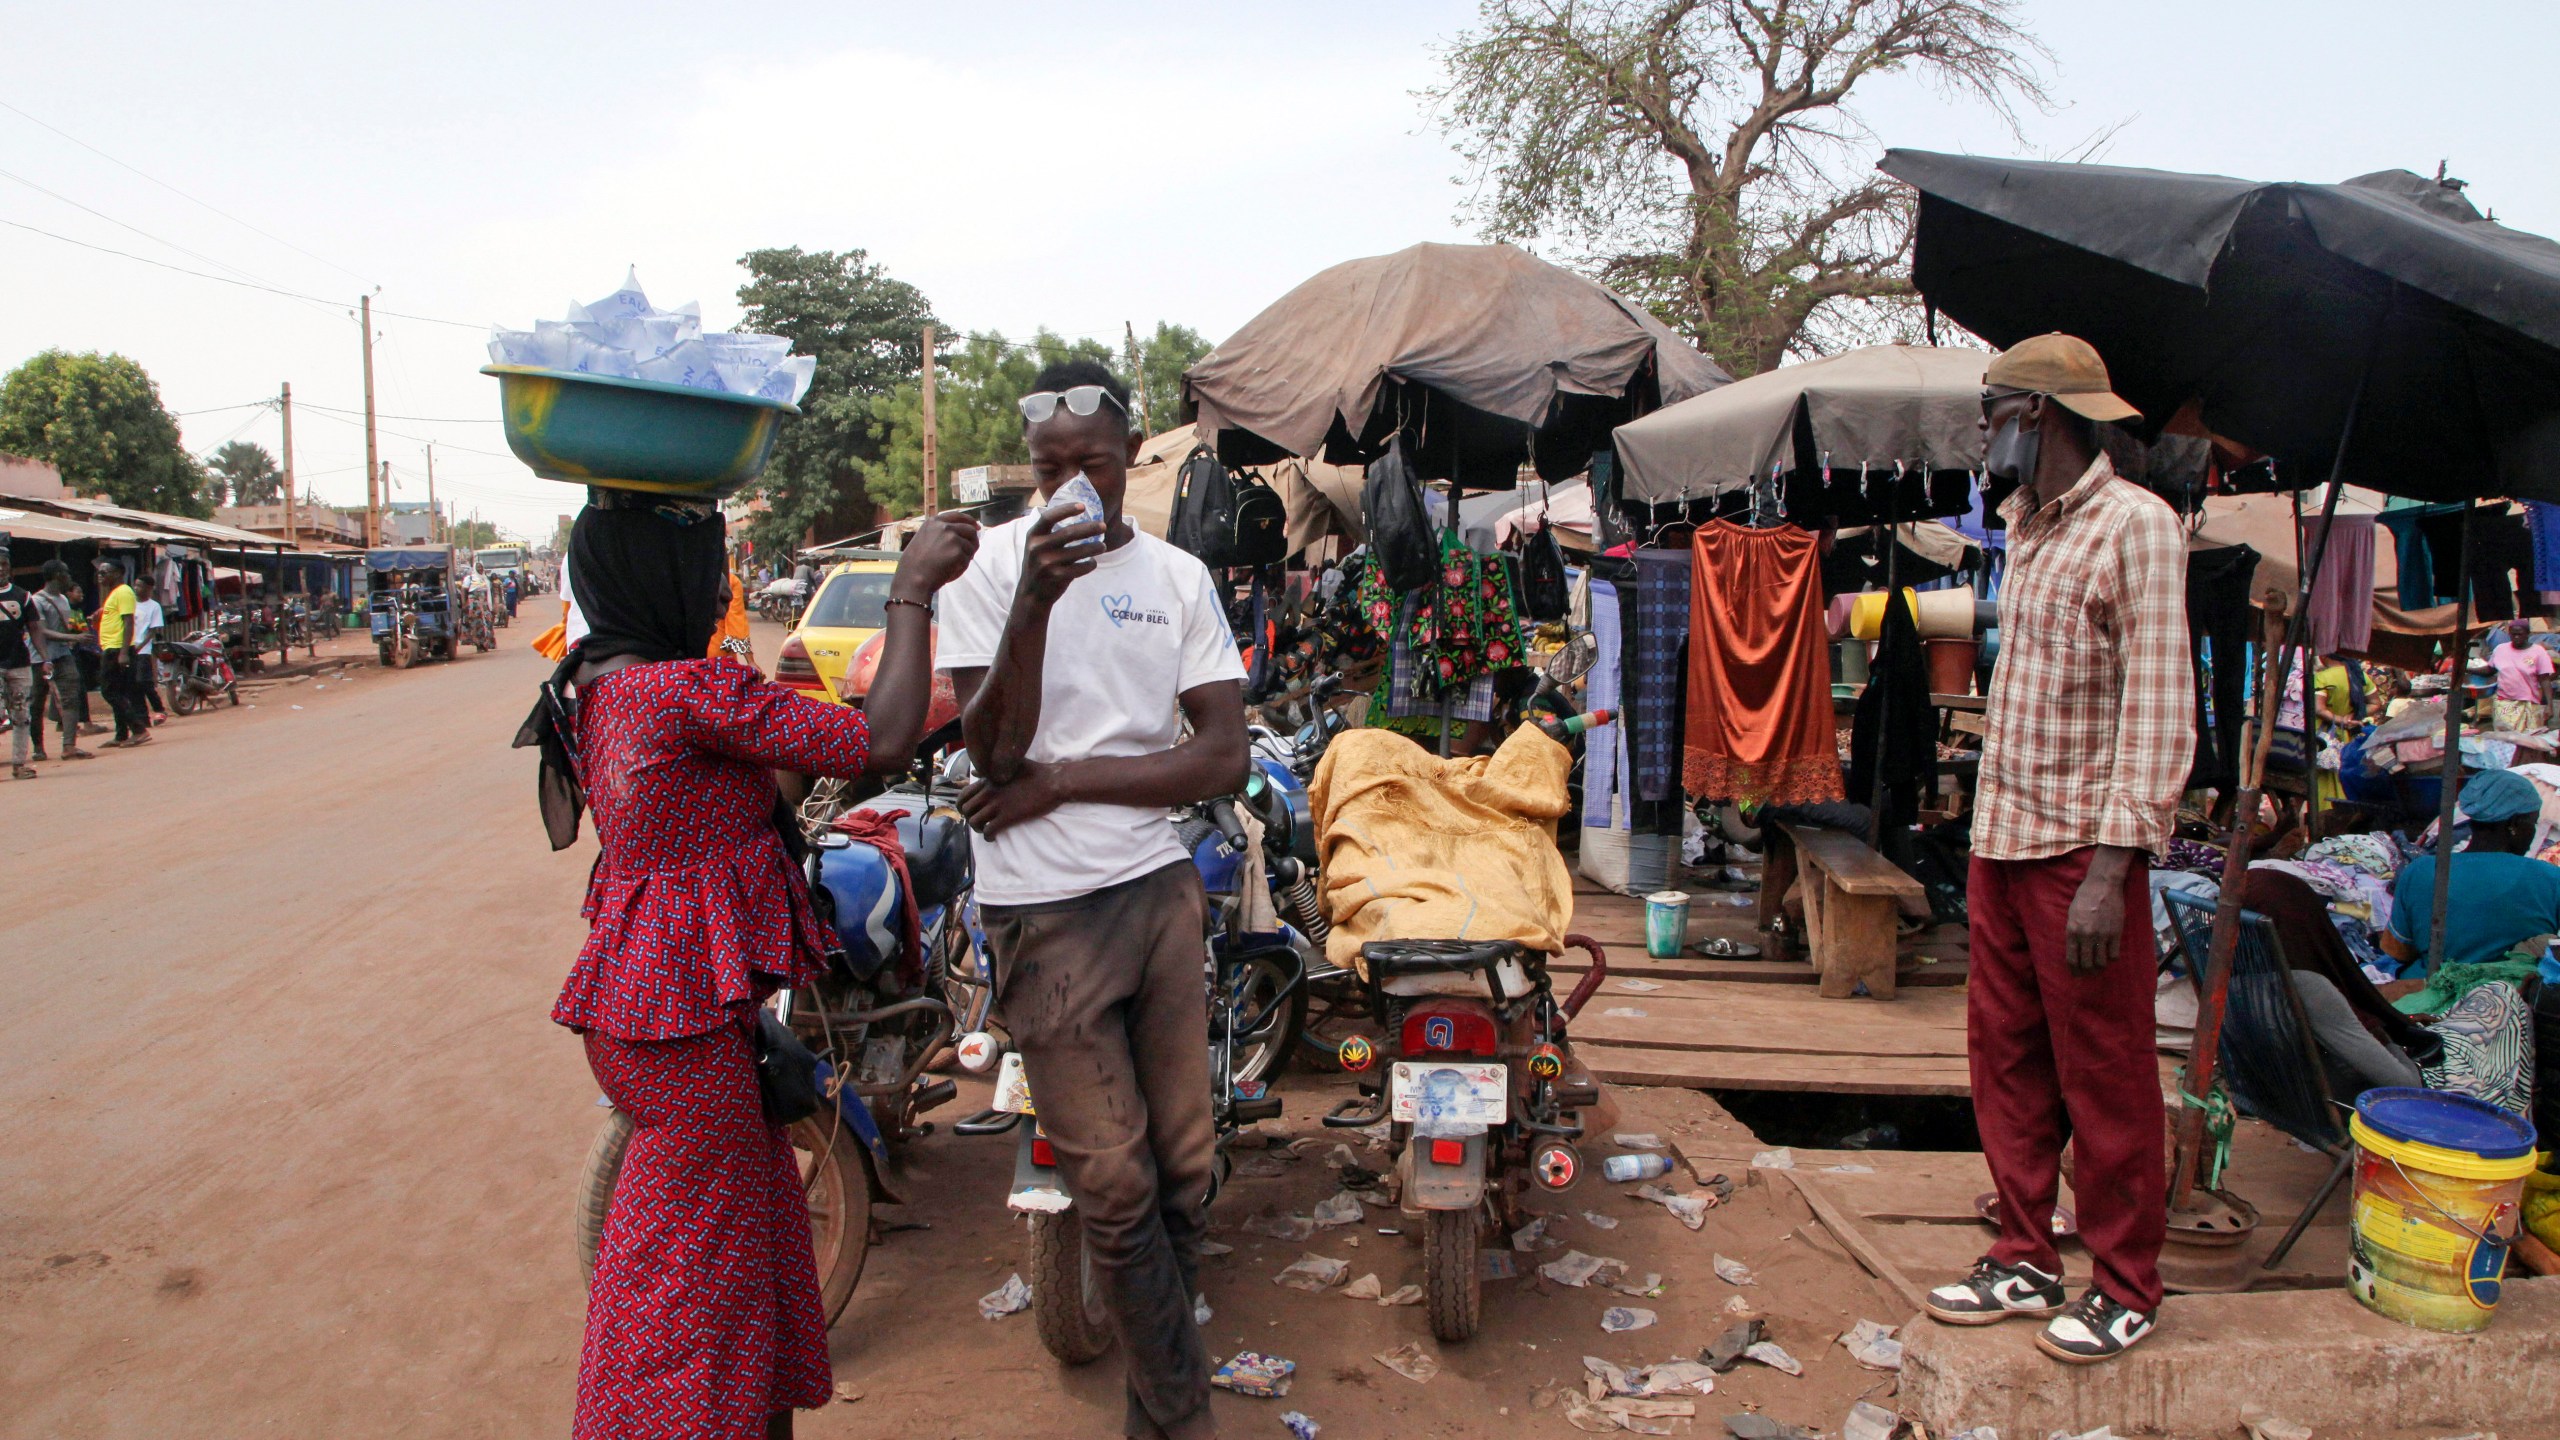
pixel 2543 519
pixel 2218 621
pixel 1601 744
pixel 1653 686
pixel 1446 639
pixel 2420 587
pixel 1895 728
pixel 2342 595
pixel 1759 722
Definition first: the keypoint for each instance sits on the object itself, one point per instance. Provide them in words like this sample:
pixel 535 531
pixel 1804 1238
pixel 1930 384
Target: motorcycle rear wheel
pixel 831 1173
pixel 182 699
pixel 1066 1306
pixel 1452 1283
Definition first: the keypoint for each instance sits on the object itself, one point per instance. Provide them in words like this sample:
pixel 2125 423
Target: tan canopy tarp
pixel 1875 406
pixel 1321 499
pixel 1489 326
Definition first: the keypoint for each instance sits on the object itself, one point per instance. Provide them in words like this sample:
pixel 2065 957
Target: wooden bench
pixel 1852 910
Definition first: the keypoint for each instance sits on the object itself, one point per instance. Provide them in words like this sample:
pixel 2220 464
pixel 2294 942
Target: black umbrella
pixel 2381 332
pixel 2267 303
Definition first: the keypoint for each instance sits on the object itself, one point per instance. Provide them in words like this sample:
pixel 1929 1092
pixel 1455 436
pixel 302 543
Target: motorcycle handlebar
pixel 1591 978
pixel 1222 813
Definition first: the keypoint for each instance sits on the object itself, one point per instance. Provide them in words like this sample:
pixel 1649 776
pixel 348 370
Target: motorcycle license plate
pixel 1449 1092
pixel 1013 1088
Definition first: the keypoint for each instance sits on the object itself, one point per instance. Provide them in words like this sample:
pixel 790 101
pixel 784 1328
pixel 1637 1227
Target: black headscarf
pixel 645 571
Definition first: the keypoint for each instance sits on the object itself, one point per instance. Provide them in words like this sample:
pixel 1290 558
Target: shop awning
pixel 60 529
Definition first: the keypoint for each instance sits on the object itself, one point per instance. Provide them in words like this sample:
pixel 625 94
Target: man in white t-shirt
pixel 1078 651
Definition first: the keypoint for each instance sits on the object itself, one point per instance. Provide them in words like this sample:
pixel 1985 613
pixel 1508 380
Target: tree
pixel 867 334
pixel 247 473
pixel 1702 155
pixel 976 421
pixel 472 534
pixel 98 419
pixel 1161 361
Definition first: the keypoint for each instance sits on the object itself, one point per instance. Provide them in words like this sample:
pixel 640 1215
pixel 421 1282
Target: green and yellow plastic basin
pixel 636 434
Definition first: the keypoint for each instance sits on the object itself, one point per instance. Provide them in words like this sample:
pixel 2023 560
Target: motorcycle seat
pixel 1392 959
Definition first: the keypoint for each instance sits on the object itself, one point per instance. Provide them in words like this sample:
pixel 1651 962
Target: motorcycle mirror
pixel 1572 661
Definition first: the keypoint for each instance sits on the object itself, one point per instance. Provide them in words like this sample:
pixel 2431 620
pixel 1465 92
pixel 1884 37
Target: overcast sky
pixel 1075 166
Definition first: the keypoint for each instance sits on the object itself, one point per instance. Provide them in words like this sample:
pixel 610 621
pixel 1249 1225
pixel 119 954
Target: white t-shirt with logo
pixel 1124 642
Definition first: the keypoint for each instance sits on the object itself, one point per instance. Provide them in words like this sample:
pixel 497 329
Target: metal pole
pixel 2460 658
pixel 2214 986
pixel 1455 490
pixel 932 460
pixel 1876 675
pixel 284 403
pixel 372 453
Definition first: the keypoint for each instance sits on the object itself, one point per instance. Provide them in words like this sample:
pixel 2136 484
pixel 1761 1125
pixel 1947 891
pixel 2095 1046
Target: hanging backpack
pixel 1543 587
pixel 1399 524
pixel 1226 520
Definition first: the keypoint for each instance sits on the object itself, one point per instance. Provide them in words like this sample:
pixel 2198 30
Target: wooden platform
pixel 1723 1024
pixel 1908 1215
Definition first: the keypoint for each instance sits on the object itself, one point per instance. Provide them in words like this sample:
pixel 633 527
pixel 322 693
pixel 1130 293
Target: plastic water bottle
pixel 1623 1168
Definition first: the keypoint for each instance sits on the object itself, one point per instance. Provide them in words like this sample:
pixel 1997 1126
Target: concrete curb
pixel 2314 1357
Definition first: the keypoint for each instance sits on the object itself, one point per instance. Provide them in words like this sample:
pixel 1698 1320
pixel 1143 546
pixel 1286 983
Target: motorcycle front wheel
pixel 831 1174
pixel 1066 1304
pixel 182 699
pixel 1259 1053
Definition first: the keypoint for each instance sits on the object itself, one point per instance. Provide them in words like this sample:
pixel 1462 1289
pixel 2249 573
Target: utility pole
pixel 435 517
pixel 932 475
pixel 284 403
pixel 1138 377
pixel 375 482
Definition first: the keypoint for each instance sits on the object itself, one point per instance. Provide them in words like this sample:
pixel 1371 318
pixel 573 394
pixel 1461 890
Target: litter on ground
pixel 1005 1299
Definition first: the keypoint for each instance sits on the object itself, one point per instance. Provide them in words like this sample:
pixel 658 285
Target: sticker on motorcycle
pixel 1546 1062
pixel 1356 1053
pixel 977 1051
pixel 1431 1093
pixel 1013 1088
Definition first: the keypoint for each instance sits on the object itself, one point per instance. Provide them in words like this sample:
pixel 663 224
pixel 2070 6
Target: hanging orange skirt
pixel 1759 723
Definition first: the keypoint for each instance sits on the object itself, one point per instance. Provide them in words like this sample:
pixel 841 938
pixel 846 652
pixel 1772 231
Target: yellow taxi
pixel 850 607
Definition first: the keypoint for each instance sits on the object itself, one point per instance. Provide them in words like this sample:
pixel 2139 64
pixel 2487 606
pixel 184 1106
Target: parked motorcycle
pixel 876 1021
pixel 1254 981
pixel 193 671
pixel 1480 1089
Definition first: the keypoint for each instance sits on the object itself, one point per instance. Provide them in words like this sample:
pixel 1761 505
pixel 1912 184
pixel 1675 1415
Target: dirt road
pixel 286 1142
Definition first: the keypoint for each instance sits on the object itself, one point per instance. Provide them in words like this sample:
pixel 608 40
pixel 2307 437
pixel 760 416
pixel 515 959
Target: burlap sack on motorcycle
pixel 1415 847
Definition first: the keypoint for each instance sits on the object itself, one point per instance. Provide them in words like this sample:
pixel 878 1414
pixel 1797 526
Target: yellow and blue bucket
pixel 2438 1201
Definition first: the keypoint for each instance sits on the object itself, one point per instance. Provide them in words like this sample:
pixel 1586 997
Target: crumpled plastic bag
pixel 1006 1299
pixel 1314 1274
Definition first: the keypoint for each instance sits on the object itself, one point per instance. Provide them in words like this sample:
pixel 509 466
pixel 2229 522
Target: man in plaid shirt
pixel 2091 729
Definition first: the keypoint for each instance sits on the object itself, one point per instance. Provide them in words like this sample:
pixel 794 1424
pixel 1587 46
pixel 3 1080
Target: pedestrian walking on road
pixel 116 654
pixel 2091 731
pixel 1099 684
pixel 147 620
pixel 703 1319
pixel 57 634
pixel 19 663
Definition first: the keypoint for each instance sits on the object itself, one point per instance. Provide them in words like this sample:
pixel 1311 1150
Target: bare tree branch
pixel 1704 156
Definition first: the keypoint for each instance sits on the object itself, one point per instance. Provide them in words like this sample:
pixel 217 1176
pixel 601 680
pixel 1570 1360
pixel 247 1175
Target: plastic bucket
pixel 1951 666
pixel 2439 1181
pixel 1666 923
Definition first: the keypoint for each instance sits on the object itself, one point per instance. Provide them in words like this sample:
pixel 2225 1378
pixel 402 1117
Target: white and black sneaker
pixel 2095 1328
pixel 1994 1292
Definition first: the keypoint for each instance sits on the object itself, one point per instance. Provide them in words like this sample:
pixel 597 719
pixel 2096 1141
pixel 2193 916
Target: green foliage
pixel 560 535
pixel 976 388
pixel 97 418
pixel 866 331
pixel 1161 360
pixel 473 534
pixel 245 474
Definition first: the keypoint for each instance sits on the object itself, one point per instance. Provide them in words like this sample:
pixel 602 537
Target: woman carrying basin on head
pixel 703 1320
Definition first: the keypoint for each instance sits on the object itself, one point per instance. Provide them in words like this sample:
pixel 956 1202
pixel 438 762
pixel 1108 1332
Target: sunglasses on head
pixel 1080 400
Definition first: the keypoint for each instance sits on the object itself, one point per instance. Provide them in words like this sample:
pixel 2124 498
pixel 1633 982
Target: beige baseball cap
pixel 2065 367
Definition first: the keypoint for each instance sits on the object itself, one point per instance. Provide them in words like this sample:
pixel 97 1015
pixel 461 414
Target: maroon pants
pixel 2057 1055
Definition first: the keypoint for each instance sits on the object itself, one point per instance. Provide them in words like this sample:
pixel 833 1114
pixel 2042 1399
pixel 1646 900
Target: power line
pixel 378 311
pixel 218 409
pixel 181 194
pixel 421 419
pixel 122 225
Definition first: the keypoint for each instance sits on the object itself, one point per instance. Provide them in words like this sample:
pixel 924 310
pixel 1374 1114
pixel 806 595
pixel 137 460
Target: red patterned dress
pixel 704 1315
